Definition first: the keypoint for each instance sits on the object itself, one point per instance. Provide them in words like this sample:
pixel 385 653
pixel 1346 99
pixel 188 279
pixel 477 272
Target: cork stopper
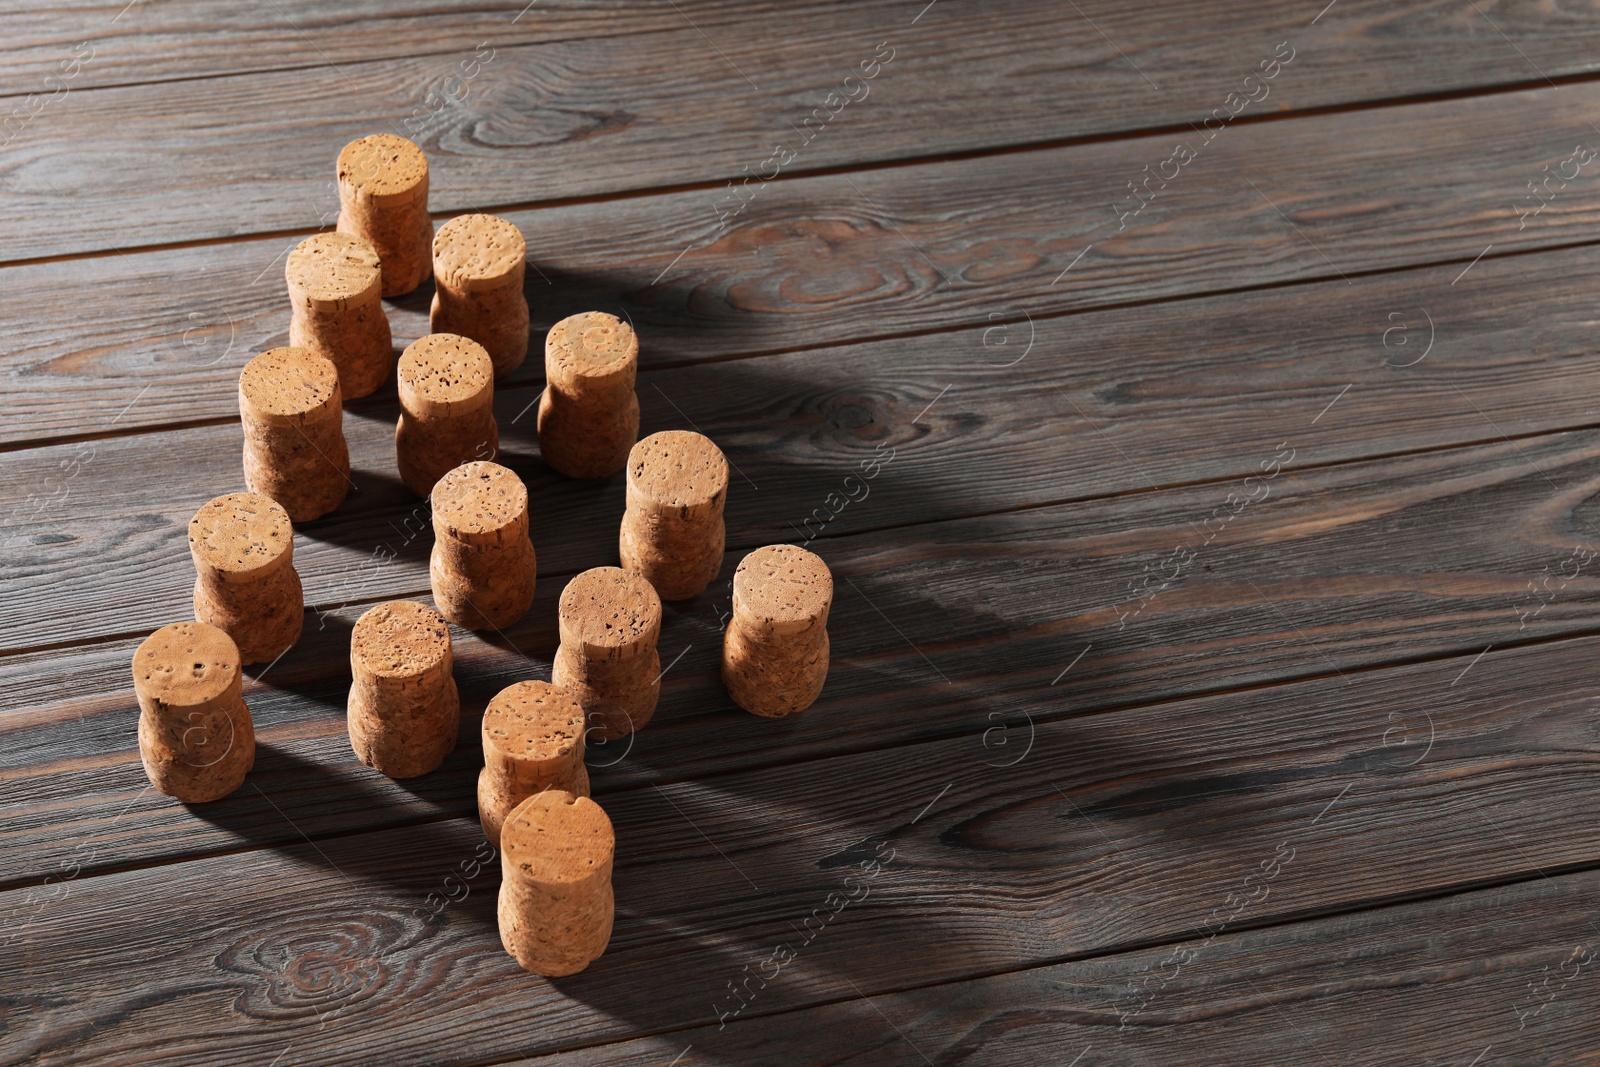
pixel 557 839
pixel 591 349
pixel 608 609
pixel 476 252
pixel 444 375
pixel 782 590
pixel 678 469
pixel 186 665
pixel 533 723
pixel 289 386
pixel 332 271
pixel 399 640
pixel 241 537
pixel 476 503
pixel 383 169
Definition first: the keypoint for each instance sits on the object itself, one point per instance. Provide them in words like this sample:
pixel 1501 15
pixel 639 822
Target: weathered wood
pixel 839 258
pixel 1123 829
pixel 984 627
pixel 1102 404
pixel 1362 49
pixel 555 121
pixel 144 42
pixel 1512 968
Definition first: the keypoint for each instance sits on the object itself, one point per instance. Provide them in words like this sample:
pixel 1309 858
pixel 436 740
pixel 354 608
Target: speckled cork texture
pixel 533 741
pixel 336 311
pixel 294 447
pixel 483 567
pixel 610 620
pixel 672 531
pixel 446 409
pixel 246 585
pixel 404 708
pixel 556 904
pixel 589 413
pixel 478 265
pixel 775 651
pixel 195 736
pixel 383 199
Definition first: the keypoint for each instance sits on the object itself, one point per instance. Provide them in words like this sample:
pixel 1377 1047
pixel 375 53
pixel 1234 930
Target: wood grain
pixel 985 627
pixel 1366 49
pixel 1512 967
pixel 1117 830
pixel 840 259
pixel 550 122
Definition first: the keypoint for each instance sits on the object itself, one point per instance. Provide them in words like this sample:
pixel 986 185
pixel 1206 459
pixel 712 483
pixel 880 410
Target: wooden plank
pixel 1512 968
pixel 1362 49
pixel 839 259
pixel 556 121
pixel 1118 830
pixel 142 42
pixel 103 522
pixel 984 627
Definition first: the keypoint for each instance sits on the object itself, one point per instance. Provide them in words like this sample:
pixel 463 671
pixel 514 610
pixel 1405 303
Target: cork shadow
pixel 289 799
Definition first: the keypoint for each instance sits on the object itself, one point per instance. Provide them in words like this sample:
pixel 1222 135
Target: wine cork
pixel 294 448
pixel 483 566
pixel 446 409
pixel 775 651
pixel 478 264
pixel 532 742
pixel 609 621
pixel 404 708
pixel 556 905
pixel 672 531
pixel 195 736
pixel 246 585
pixel 336 310
pixel 383 199
pixel 589 413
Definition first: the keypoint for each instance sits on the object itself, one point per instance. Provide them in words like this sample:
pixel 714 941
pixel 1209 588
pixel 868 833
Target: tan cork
pixel 245 582
pixel 478 265
pixel 294 447
pixel 483 566
pixel 383 199
pixel 589 413
pixel 610 620
pixel 775 651
pixel 336 311
pixel 404 708
pixel 446 409
pixel 672 531
pixel 195 736
pixel 556 905
pixel 533 740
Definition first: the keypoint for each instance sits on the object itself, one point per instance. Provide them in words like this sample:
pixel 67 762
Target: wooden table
pixel 1195 407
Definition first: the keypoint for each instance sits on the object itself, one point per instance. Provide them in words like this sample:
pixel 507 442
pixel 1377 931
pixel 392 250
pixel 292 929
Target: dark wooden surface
pixel 1213 651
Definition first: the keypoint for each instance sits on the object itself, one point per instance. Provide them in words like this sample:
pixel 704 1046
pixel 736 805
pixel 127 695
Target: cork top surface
pixel 333 269
pixel 445 374
pixel 289 382
pixel 678 468
pixel 400 639
pixel 185 664
pixel 590 344
pixel 480 249
pixel 555 837
pixel 607 608
pixel 783 588
pixel 534 721
pixel 478 499
pixel 383 166
pixel 241 534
